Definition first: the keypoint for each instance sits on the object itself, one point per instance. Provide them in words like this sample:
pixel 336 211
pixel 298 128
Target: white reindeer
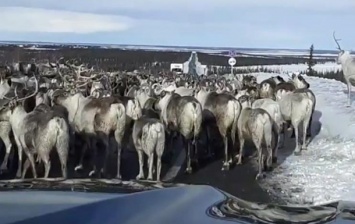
pixel 149 138
pixel 297 107
pixel 256 125
pixel 348 66
pixel 274 110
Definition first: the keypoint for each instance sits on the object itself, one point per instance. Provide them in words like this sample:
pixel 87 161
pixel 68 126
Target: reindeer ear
pixel 293 75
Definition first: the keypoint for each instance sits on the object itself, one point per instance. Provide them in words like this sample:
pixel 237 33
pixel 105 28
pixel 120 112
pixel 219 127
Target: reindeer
pixel 268 86
pixel 182 114
pixel 149 138
pixel 95 119
pixel 256 125
pixel 274 110
pixel 37 133
pixel 224 109
pixel 296 108
pixel 348 66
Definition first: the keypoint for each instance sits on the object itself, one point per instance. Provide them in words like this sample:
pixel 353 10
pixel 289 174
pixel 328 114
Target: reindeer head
pixel 342 55
pixel 299 82
pixel 245 101
pixel 278 79
pixel 21 99
pixel 62 97
pixel 133 109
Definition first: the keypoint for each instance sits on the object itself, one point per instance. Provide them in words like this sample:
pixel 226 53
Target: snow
pixel 326 67
pixel 326 171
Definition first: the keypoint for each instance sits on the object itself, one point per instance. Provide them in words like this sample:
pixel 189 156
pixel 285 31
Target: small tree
pixel 311 62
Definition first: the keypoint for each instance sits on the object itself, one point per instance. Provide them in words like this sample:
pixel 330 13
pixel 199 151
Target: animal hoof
pixel 150 178
pixel 268 168
pixel 225 166
pixel 139 177
pixel 118 177
pixel 259 176
pixel 78 167
pixel 297 153
pixel 274 159
pixel 18 175
pixel 189 170
pixel 304 148
pixel 92 172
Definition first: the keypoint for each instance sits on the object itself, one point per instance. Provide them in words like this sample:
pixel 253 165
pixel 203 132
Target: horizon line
pixel 162 46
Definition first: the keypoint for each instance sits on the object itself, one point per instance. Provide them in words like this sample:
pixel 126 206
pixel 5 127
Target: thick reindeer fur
pixel 274 110
pixel 38 133
pixel 256 125
pixel 348 66
pixel 182 114
pixel 149 138
pixel 267 87
pixel 95 119
pixel 297 107
pixel 132 106
pixel 225 110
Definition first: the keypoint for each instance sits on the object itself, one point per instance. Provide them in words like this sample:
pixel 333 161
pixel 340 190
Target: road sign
pixel 232 53
pixel 232 61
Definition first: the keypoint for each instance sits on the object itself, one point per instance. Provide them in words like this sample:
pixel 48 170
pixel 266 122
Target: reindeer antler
pixel 33 94
pixel 336 41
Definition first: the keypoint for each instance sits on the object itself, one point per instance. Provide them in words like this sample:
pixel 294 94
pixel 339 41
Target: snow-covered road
pixel 326 171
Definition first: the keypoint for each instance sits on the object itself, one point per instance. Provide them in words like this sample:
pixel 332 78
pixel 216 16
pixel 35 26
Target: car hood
pixel 185 204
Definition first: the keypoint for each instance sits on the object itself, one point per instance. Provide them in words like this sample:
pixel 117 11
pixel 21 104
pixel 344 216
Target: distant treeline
pixel 129 60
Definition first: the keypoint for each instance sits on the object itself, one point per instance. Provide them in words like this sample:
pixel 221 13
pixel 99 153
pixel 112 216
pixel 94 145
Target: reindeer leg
pixel 309 127
pixel 150 164
pixel 159 150
pixel 20 150
pixel 209 142
pixel 94 158
pixel 62 145
pixel 188 156
pixel 241 149
pixel 47 164
pixel 284 128
pixel 82 154
pixel 118 136
pixel 298 148
pixel 105 141
pixel 305 132
pixel 226 161
pixel 8 145
pixel 141 164
pixel 25 168
pixel 32 162
pixel 275 149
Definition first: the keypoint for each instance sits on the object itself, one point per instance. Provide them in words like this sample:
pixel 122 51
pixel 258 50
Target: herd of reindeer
pixel 55 106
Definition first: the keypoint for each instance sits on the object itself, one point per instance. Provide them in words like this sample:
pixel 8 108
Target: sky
pixel 287 24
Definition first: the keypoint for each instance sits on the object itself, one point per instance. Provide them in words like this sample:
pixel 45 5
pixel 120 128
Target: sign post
pixel 232 61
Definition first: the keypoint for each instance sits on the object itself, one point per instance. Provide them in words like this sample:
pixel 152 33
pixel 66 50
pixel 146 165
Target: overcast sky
pixel 294 24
